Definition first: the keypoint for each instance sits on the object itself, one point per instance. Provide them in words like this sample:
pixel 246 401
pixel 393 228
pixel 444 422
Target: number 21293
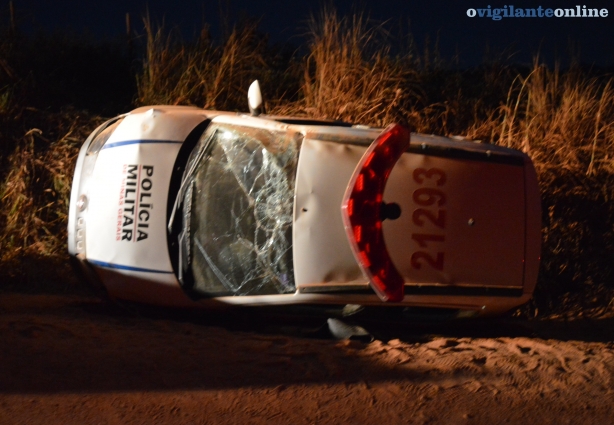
pixel 432 201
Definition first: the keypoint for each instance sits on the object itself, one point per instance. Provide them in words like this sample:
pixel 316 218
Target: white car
pixel 180 206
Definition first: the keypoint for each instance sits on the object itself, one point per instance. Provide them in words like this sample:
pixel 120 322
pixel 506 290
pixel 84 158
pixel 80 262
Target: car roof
pixel 320 129
pixel 257 121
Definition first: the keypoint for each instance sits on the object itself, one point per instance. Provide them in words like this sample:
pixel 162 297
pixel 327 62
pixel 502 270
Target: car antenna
pixel 254 99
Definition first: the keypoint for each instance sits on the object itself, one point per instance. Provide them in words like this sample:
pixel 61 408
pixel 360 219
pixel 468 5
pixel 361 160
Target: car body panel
pixel 137 189
pixel 321 250
pixel 478 231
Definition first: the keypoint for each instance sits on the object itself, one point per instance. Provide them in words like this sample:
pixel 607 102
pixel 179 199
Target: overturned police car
pixel 184 207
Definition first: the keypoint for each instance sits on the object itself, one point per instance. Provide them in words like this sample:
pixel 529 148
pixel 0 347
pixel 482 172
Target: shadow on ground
pixel 52 343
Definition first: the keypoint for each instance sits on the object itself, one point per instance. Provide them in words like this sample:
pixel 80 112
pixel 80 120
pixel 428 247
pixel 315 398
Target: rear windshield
pixel 237 205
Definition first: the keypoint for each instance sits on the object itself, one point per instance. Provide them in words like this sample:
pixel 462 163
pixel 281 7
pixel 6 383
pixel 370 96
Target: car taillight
pixel 362 209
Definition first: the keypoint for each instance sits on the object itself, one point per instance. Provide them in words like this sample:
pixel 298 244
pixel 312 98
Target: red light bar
pixel 361 212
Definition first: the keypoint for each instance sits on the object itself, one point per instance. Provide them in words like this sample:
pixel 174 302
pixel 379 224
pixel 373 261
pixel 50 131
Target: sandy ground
pixel 77 360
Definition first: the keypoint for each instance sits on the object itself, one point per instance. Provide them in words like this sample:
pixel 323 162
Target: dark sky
pixel 286 20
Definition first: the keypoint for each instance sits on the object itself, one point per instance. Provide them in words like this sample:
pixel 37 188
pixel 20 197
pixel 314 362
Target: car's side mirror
pixel 254 99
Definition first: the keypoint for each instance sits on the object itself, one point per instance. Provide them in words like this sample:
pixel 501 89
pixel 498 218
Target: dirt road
pixel 77 360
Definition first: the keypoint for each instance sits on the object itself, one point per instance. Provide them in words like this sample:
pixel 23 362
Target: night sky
pixel 591 38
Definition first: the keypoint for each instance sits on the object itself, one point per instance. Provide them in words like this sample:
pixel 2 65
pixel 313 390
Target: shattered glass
pixel 238 219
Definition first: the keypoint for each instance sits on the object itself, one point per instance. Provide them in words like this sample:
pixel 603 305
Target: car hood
pixel 127 190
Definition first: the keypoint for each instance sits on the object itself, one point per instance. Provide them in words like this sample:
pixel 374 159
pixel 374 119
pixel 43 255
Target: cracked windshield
pixel 238 212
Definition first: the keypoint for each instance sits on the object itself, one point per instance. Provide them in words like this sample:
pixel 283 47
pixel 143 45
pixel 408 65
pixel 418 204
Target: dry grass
pixel 203 73
pixel 563 120
pixel 36 189
pixel 350 74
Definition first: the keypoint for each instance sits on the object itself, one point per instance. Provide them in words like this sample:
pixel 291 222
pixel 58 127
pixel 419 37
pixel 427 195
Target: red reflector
pixel 361 209
pixel 368 161
pixel 378 281
pixel 364 259
pixel 360 182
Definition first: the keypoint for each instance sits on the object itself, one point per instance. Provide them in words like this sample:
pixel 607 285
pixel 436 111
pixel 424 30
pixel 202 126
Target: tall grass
pixel 34 194
pixel 564 120
pixel 202 73
pixel 36 188
pixel 350 74
pixel 40 134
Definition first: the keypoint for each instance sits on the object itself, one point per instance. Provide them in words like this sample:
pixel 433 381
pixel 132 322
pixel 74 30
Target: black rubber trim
pixel 459 153
pixel 178 168
pixel 455 291
pixel 300 121
pixel 428 149
pixel 477 291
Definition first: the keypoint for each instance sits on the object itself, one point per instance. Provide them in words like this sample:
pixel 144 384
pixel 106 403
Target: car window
pixel 240 202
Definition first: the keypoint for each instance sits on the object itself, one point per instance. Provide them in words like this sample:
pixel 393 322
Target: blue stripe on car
pixel 122 267
pixel 137 142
